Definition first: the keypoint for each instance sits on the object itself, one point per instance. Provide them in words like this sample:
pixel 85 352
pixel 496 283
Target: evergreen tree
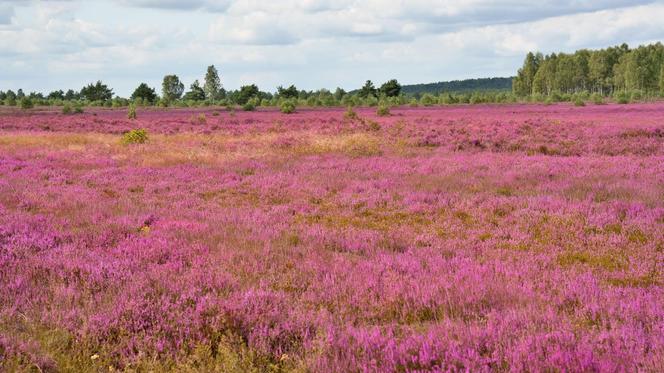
pixel 196 93
pixel 97 92
pixel 144 92
pixel 367 90
pixel 391 88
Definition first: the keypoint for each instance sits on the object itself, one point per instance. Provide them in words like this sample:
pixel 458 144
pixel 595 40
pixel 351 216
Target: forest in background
pixel 603 71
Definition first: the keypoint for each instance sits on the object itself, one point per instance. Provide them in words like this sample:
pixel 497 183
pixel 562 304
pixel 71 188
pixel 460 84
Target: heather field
pixel 459 238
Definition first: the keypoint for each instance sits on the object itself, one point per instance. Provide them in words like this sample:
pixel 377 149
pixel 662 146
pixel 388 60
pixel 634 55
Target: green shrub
pixel 383 110
pixel 428 99
pixel 622 98
pixel 138 136
pixel 249 106
pixel 131 112
pixel 597 99
pixel 26 103
pixel 413 103
pixel 67 109
pixel 288 107
pixel 78 109
pixel 578 101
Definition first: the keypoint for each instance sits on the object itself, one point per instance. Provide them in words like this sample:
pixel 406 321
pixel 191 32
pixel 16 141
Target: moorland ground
pixel 507 237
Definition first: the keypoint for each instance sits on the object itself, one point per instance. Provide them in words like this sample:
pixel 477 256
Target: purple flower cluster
pixel 466 238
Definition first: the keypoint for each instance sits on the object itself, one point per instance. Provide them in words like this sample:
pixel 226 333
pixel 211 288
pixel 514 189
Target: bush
pixel 26 103
pixel 138 136
pixel 131 112
pixel 288 107
pixel 578 101
pixel 414 103
pixel 350 114
pixel 249 106
pixel 67 109
pixel 428 99
pixel 622 98
pixel 597 99
pixel 383 110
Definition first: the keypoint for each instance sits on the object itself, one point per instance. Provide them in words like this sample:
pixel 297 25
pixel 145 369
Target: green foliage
pixel 26 103
pixel 67 109
pixel 196 93
pixel 287 93
pixel 171 88
pixel 391 88
pixel 578 101
pixel 212 87
pixel 367 90
pixel 137 136
pixel 288 106
pixel 383 110
pixel 144 93
pixel 597 99
pixel 131 112
pixel 246 93
pixel 371 101
pixel 604 71
pixel 428 100
pixel 97 92
pixel 622 97
pixel 56 95
pixel 249 106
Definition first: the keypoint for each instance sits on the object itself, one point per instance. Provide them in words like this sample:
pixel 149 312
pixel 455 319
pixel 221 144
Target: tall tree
pixel 97 92
pixel 57 95
pixel 391 88
pixel 367 90
pixel 171 88
pixel 144 92
pixel 290 92
pixel 195 93
pixel 246 93
pixel 212 86
pixel 523 83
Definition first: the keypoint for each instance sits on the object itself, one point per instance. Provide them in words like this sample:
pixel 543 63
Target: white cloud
pixel 312 43
pixel 6 13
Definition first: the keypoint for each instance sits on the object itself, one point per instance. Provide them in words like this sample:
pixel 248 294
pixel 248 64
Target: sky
pixel 50 44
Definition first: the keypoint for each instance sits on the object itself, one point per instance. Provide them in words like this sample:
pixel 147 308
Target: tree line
pixel 616 70
pixel 210 92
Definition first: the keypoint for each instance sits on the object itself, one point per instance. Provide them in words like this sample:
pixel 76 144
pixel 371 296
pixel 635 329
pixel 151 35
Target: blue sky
pixel 46 45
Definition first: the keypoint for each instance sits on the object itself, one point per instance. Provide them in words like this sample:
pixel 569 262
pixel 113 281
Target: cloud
pixel 6 14
pixel 257 28
pixel 588 30
pixel 311 43
pixel 209 5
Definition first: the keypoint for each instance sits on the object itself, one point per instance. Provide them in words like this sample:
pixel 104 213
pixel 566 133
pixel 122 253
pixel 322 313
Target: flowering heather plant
pixel 461 238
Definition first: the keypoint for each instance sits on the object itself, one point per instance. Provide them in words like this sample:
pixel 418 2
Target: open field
pixel 481 238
